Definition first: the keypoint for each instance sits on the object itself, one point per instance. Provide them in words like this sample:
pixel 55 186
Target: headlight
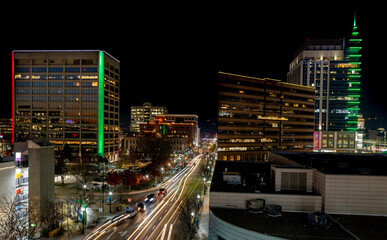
pixel 152 199
pixel 146 199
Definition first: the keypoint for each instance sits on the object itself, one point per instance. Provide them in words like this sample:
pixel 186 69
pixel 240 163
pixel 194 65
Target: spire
pixel 354 19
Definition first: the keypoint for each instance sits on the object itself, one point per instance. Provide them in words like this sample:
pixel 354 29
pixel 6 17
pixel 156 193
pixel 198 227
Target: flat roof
pixel 249 172
pixel 294 225
pixel 49 51
pixel 340 163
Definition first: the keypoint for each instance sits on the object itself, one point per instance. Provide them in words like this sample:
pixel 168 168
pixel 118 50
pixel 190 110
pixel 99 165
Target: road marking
pixel 169 233
pixel 111 235
pixel 122 233
pixel 162 236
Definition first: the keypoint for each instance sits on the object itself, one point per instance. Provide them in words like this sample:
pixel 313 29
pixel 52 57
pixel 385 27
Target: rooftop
pixel 252 174
pixel 338 163
pixel 292 225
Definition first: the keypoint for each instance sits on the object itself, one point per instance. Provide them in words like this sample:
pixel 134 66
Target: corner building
pixel 69 97
pixel 258 115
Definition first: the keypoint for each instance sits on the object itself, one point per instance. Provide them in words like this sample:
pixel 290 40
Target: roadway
pixel 159 218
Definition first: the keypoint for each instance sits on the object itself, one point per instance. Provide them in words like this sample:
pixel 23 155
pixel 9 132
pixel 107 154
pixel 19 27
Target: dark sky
pixel 170 54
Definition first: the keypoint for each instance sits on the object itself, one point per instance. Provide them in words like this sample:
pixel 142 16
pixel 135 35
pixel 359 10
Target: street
pixel 159 218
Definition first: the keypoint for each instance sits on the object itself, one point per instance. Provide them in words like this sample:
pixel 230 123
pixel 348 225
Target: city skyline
pixel 173 59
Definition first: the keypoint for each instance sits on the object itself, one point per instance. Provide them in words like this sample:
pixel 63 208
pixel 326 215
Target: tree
pixel 84 171
pixel 114 178
pixel 129 178
pixel 157 149
pixel 61 158
pixel 26 220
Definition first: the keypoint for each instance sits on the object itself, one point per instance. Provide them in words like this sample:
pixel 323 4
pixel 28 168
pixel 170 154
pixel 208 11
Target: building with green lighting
pixel 333 67
pixel 69 97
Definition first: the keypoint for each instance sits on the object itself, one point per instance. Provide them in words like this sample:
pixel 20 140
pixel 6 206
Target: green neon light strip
pixel 101 73
pixel 354 102
pixel 354 75
pixel 353 95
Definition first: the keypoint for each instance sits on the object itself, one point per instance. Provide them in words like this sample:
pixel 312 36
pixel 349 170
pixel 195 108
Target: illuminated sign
pixel 18 156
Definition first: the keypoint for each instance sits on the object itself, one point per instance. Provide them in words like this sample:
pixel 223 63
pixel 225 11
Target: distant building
pixel 257 115
pixel 331 141
pixel 144 113
pixel 6 135
pixel 178 130
pixel 68 97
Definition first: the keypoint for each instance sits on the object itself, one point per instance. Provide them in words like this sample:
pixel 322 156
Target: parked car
pixel 150 198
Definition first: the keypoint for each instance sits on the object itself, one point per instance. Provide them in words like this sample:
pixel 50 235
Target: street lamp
pixel 110 201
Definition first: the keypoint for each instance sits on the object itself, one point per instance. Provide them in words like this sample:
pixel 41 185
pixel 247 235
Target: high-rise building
pixel 333 67
pixel 69 97
pixel 258 115
pixel 144 113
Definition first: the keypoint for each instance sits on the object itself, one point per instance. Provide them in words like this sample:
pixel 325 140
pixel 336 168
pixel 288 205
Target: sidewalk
pixel 204 218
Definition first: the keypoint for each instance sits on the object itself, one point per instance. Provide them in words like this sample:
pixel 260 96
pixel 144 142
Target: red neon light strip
pixel 13 98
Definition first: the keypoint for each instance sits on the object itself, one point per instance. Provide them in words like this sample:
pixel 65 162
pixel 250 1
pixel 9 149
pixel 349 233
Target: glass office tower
pixel 67 97
pixel 257 115
pixel 333 67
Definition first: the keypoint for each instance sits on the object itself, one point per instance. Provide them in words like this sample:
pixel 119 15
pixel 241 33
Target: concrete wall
pixel 219 227
pixel 356 194
pixel 41 174
pixel 289 202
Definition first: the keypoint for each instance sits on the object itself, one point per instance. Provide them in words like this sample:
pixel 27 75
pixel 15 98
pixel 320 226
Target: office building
pixel 67 97
pixel 258 115
pixel 144 113
pixel 333 67
pixel 333 141
pixel 190 119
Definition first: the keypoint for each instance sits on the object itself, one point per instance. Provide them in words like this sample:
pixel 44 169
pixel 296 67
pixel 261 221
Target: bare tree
pixel 187 216
pixel 19 220
pixel 27 219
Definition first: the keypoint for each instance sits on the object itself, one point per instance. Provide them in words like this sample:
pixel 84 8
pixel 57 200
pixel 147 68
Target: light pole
pixel 110 201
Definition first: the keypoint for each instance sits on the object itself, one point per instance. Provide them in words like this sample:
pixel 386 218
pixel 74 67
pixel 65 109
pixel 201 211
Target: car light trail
pixel 189 172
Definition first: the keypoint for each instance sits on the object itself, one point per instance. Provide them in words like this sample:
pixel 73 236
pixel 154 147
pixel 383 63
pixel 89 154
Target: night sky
pixel 170 54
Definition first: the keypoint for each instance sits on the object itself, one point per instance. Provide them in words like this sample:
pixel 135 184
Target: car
pixel 150 198
pixel 130 212
pixel 162 191
pixel 141 207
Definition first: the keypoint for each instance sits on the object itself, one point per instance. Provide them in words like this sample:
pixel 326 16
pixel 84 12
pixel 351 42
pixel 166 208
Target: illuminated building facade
pixel 170 126
pixel 144 113
pixel 333 67
pixel 67 97
pixel 258 115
